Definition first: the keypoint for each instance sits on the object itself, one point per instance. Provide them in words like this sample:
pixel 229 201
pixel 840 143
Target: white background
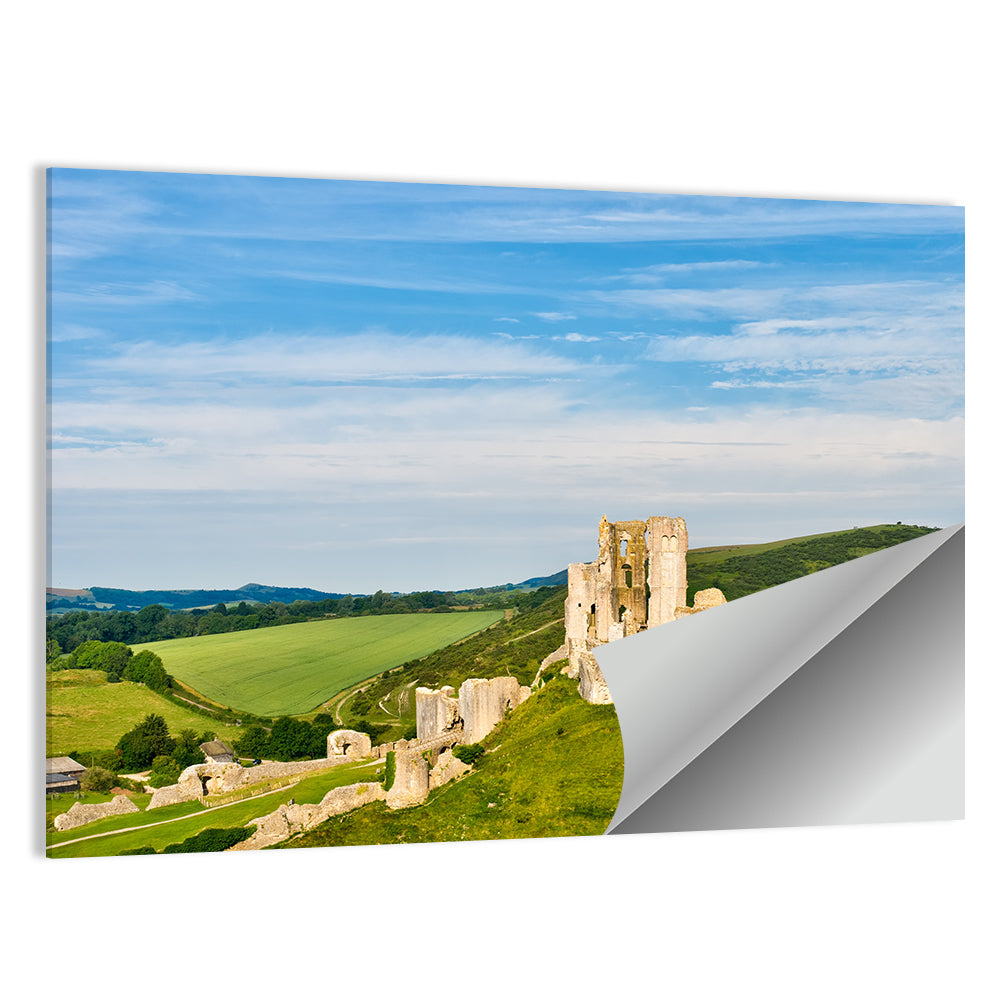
pixel 859 101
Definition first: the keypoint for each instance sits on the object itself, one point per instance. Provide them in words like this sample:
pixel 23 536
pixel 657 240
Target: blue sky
pixel 355 385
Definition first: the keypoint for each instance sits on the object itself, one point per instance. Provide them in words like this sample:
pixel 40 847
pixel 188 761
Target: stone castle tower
pixel 639 580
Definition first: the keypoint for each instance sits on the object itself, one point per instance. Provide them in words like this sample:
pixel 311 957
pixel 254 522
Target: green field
pixel 84 712
pixel 293 669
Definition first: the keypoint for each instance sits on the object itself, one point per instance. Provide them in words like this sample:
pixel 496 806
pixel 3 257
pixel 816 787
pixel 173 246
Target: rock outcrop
pixel 80 813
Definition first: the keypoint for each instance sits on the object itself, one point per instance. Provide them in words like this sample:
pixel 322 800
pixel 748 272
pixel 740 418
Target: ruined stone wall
pixel 627 571
pixel 593 687
pixel 482 704
pixel 296 818
pixel 581 600
pixel 411 782
pixel 668 545
pixel 80 812
pixel 348 743
pixel 638 580
pixel 437 712
pixel 200 780
pixel 447 768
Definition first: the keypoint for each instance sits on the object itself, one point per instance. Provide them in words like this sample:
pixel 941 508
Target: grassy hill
pixel 554 768
pixel 293 669
pixel 86 713
pixel 515 646
pixel 738 570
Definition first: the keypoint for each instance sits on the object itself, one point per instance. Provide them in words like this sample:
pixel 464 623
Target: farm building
pixel 217 752
pixel 62 774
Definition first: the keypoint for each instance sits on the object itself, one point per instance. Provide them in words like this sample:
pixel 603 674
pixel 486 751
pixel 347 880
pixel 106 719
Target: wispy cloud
pixel 654 274
pixel 554 317
pixel 305 359
pixel 125 294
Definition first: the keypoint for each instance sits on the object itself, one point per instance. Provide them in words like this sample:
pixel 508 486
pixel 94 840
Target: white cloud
pixel 554 317
pixel 359 357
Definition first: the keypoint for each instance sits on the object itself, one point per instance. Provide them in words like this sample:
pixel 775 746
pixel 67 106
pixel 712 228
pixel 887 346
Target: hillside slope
pixel 554 768
pixel 739 570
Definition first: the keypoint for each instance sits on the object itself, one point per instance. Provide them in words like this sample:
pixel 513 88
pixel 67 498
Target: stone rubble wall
pixel 561 653
pixel 482 704
pixel 710 598
pixel 292 818
pixel 171 795
pixel 222 778
pixel 593 687
pixel 81 813
pixel 447 768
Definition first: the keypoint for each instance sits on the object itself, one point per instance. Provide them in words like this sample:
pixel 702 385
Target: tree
pixel 165 771
pixel 253 742
pixel 290 739
pixel 148 620
pixel 187 751
pixel 84 656
pixel 148 740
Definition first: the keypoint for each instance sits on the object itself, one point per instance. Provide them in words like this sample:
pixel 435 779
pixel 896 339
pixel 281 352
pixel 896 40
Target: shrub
pixel 137 850
pixel 390 770
pixel 98 779
pixel 165 771
pixel 410 733
pixel 128 785
pixel 213 839
pixel 469 754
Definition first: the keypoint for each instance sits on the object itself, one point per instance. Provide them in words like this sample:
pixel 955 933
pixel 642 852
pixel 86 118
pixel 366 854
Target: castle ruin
pixel 638 580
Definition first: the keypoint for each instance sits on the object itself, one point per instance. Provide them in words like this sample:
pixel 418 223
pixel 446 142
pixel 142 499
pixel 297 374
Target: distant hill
pixel 119 599
pixel 113 598
pixel 555 580
pixel 737 569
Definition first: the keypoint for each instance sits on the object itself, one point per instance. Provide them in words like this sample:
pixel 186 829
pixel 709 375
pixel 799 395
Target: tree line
pixel 153 623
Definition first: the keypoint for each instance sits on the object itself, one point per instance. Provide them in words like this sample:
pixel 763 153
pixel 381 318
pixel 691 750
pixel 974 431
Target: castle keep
pixel 638 580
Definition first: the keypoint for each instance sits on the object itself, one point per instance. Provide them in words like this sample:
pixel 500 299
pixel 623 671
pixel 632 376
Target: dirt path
pixel 196 704
pixel 518 638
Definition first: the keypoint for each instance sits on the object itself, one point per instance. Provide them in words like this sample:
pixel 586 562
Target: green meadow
pixel 84 712
pixel 292 669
